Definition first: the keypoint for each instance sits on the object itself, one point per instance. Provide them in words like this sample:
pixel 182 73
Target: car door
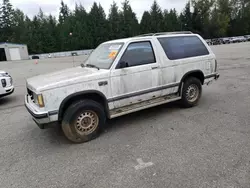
pixel 140 80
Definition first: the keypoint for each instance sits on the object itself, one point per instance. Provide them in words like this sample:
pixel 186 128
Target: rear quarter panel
pixel 178 68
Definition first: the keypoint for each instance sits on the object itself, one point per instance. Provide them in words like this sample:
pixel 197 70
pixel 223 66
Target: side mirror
pixel 123 64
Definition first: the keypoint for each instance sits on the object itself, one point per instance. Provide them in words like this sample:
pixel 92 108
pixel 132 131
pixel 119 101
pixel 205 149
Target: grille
pixel 3 82
pixel 31 94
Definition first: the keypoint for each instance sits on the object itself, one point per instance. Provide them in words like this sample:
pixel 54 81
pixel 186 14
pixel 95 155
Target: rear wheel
pixel 83 121
pixel 191 92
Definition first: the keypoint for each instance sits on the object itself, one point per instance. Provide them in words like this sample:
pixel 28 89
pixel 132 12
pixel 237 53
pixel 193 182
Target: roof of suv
pixel 150 35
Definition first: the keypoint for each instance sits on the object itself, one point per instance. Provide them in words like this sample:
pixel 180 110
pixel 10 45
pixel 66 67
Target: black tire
pixel 191 82
pixel 72 116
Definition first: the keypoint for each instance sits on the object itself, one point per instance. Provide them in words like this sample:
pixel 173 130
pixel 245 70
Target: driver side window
pixel 139 53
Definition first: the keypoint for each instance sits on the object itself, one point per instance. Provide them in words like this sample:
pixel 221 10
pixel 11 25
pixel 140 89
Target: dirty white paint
pixel 141 165
pixel 9 86
pixel 55 87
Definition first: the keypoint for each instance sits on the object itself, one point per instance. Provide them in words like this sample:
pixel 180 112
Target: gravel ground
pixel 166 146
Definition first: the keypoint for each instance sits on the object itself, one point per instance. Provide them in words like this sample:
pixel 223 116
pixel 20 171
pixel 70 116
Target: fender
pixel 198 72
pixel 65 101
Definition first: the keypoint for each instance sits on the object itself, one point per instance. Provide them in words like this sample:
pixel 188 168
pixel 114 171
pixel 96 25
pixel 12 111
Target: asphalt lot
pixel 206 146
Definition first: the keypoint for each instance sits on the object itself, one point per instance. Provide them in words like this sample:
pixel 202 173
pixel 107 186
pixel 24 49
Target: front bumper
pixel 7 91
pixel 41 118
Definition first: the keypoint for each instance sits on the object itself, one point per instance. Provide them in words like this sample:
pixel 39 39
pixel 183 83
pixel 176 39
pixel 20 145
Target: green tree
pixel 129 22
pixel 6 21
pixel 239 23
pixel 81 37
pixel 218 24
pixel 145 23
pixel 171 21
pixel 201 16
pixel 35 36
pixel 50 37
pixel 64 12
pixel 210 18
pixel 19 30
pixel 186 18
pixel 156 20
pixel 114 19
pixel 64 28
pixel 220 18
pixel 98 25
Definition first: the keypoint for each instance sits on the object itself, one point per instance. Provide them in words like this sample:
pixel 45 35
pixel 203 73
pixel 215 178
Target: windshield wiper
pixel 92 66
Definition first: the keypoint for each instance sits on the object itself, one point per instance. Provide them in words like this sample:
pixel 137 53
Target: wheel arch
pixel 194 73
pixel 90 94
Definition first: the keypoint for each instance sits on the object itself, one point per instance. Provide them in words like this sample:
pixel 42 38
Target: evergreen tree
pixel 98 25
pixel 129 23
pixel 114 19
pixel 50 37
pixel 6 21
pixel 186 18
pixel 156 20
pixel 240 24
pixel 64 12
pixel 82 38
pixel 201 16
pixel 19 30
pixel 218 24
pixel 42 34
pixel 64 28
pixel 145 23
pixel 171 21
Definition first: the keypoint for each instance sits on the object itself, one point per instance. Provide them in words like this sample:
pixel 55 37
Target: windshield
pixel 104 55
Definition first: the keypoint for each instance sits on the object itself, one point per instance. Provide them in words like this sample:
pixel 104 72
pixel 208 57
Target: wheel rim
pixel 87 122
pixel 192 93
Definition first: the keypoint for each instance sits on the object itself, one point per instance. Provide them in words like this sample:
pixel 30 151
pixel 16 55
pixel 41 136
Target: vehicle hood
pixel 2 72
pixel 64 77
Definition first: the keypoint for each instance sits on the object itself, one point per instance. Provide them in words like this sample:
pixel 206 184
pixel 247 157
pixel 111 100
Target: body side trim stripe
pixel 143 92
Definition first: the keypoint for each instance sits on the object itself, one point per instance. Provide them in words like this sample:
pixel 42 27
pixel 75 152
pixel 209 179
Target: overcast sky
pixel 31 7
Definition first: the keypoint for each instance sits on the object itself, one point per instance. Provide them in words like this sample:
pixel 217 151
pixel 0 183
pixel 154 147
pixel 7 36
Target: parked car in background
pixel 238 39
pixel 35 57
pixel 247 37
pixel 209 41
pixel 6 85
pixel 216 41
pixel 241 39
pixel 226 40
pixel 120 77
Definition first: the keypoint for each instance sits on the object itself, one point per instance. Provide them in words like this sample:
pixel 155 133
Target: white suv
pixel 6 86
pixel 120 77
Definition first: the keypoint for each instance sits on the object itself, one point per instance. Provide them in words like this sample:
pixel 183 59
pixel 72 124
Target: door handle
pixel 103 83
pixel 155 67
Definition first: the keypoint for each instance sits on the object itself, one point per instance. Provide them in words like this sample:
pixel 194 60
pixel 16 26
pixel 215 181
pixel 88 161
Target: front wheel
pixel 191 92
pixel 83 120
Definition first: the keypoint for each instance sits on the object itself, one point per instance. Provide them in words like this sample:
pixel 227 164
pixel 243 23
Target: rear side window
pixel 183 47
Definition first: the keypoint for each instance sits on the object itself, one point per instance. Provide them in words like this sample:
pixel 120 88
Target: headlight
pixel 3 82
pixel 4 75
pixel 40 100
